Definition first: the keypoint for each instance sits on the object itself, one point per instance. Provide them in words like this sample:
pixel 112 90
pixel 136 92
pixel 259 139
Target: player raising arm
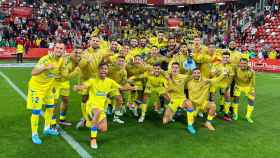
pixel 198 89
pixel 99 88
pixel 40 90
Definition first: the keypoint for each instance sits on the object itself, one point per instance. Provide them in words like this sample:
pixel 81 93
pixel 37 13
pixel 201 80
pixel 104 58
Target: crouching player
pixel 99 88
pixel 155 87
pixel 244 82
pixel 40 91
pixel 175 94
pixel 198 89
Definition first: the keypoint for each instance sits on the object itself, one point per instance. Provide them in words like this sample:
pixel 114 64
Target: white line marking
pixel 70 140
pixel 8 65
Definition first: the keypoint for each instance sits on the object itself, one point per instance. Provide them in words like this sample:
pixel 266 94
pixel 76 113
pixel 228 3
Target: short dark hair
pixel 195 69
pixel 102 64
pixel 156 64
pixel 171 37
pixel 211 43
pixel 122 57
pixel 154 46
pixel 59 42
pixel 226 53
pixel 175 63
pixel 137 56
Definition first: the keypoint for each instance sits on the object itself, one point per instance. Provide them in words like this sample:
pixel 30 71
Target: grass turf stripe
pixel 70 140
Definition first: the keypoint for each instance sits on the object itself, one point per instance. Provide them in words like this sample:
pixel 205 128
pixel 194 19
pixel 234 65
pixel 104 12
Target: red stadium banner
pixel 184 2
pixel 22 12
pixel 154 2
pixel 267 65
pixel 173 23
pixel 33 53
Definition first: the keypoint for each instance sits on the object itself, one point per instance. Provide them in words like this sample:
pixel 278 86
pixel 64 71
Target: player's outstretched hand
pixel 76 88
pixel 50 66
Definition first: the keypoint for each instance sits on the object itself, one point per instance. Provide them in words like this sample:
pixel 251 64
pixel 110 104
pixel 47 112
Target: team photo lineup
pixel 188 67
pixel 134 78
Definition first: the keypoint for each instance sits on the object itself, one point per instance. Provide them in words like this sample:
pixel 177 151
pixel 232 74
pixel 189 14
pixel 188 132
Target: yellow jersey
pixel 179 58
pixel 90 60
pixel 154 83
pixel 175 86
pixel 135 71
pixel 156 59
pixel 199 89
pixel 245 78
pixel 228 68
pixel 118 74
pixel 235 57
pixel 207 63
pixel 20 49
pixel 160 44
pixel 45 80
pixel 99 90
pixel 272 55
pixel 66 70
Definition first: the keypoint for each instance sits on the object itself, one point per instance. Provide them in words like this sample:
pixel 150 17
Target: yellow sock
pixel 190 118
pixel 34 123
pixel 235 108
pixel 62 116
pixel 210 118
pixel 48 117
pixel 93 132
pixel 84 113
pixel 53 122
pixel 226 107
pixel 250 110
pixel 144 109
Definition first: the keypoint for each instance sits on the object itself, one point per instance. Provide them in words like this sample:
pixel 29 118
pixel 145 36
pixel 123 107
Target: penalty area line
pixel 70 140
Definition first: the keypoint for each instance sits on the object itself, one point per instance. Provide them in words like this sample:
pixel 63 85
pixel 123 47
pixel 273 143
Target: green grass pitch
pixel 237 139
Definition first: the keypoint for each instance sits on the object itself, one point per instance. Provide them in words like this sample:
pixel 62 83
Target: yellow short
pixel 174 104
pixel 61 89
pixel 37 98
pixel 90 107
pixel 248 91
pixel 204 106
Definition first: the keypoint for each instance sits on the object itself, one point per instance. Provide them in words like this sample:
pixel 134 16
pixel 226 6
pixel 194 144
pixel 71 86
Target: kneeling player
pixel 175 94
pixel 99 88
pixel 198 89
pixel 244 82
